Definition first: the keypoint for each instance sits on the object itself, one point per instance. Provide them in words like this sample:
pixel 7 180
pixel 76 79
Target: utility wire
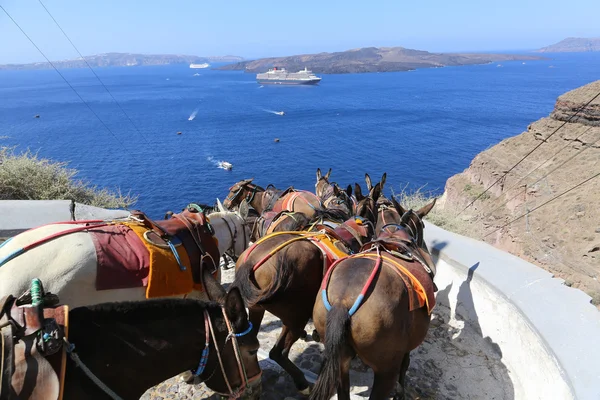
pixel 94 72
pixel 543 204
pixel 59 73
pixel 548 173
pixel 528 154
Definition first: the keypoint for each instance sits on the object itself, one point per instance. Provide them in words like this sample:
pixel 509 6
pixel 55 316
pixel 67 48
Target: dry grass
pixel 27 177
pixel 444 218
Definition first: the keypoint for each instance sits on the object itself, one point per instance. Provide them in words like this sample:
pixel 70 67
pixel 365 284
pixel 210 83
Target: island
pixel 123 60
pixel 372 59
pixel 573 45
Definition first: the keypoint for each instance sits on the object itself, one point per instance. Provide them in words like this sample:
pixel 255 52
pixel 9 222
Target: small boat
pixel 225 165
pixel 37 116
pixel 276 140
pixel 279 113
pixel 179 133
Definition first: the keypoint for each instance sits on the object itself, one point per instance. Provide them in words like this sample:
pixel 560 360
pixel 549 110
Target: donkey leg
pixel 383 384
pixel 402 376
pixel 279 354
pixel 343 390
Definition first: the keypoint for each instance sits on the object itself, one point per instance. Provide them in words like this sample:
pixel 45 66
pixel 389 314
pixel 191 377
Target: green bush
pixel 444 218
pixel 27 177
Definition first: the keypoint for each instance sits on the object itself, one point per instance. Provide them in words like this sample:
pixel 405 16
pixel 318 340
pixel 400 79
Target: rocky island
pixel 573 45
pixel 123 60
pixel 562 236
pixel 372 59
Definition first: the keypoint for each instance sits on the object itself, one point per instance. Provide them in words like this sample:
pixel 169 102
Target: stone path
pixel 454 362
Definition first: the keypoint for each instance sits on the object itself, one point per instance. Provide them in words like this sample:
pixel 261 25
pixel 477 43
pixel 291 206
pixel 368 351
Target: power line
pixel 528 154
pixel 94 72
pixel 551 171
pixel 59 73
pixel 543 204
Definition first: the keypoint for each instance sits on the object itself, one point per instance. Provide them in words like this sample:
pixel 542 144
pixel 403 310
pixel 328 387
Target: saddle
pixel 43 326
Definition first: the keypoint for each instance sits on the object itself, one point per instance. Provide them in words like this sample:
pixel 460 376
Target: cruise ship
pixel 279 76
pixel 196 66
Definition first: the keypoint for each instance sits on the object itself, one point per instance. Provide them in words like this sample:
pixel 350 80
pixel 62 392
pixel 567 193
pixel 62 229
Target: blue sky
pixel 269 28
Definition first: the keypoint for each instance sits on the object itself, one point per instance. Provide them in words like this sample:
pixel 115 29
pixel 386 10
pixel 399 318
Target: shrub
pixel 27 177
pixel 444 218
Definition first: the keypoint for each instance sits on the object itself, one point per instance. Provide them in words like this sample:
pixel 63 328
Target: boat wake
pixel 261 86
pixel 273 112
pixel 193 115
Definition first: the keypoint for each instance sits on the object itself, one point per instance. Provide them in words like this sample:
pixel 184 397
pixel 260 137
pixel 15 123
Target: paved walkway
pixel 454 362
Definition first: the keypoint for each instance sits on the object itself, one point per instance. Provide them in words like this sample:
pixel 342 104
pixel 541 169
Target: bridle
pixel 246 384
pixel 232 198
pixel 233 234
pixel 408 222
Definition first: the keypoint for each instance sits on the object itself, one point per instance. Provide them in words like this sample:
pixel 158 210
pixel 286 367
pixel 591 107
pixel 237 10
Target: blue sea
pixel 421 127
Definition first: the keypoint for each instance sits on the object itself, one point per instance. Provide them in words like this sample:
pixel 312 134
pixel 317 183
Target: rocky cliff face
pixel 562 236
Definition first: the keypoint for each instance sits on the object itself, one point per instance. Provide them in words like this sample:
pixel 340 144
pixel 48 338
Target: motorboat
pixel 225 165
pixel 279 113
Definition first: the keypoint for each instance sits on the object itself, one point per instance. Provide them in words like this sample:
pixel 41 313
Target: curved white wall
pixel 548 333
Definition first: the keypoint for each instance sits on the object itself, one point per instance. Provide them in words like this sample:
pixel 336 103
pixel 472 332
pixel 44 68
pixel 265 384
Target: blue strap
pixel 6 241
pixel 12 255
pixel 203 361
pixel 247 331
pixel 325 301
pixel 356 305
pixel 174 250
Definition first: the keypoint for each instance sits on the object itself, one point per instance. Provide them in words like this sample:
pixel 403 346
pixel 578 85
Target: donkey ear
pixel 336 191
pixel 328 174
pixel 236 310
pixel 368 180
pixel 383 178
pixel 213 289
pixel 358 192
pixel 349 190
pixel 247 181
pixel 398 207
pixel 319 176
pixel 426 209
pixel 244 209
pixel 375 192
pixel 220 206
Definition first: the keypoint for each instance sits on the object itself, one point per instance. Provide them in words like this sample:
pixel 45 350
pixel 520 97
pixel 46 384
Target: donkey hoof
pixel 186 377
pixel 315 336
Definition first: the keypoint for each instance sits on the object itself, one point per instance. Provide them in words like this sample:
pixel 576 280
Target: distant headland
pixel 573 45
pixel 372 59
pixel 123 60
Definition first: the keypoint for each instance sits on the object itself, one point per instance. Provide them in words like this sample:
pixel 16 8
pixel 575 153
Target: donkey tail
pixel 245 282
pixel 337 328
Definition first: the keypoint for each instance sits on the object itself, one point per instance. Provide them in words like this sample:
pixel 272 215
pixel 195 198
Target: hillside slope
pixel 371 59
pixel 573 45
pixel 564 235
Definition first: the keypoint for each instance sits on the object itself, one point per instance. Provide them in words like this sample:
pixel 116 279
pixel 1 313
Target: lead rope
pixel 236 350
pixel 70 347
pixel 212 333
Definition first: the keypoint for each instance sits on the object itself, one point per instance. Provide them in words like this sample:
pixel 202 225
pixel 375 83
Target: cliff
pixel 573 45
pixel 122 60
pixel 562 236
pixel 371 59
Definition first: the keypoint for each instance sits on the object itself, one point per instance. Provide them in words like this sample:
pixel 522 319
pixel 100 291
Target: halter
pixel 233 234
pixel 238 392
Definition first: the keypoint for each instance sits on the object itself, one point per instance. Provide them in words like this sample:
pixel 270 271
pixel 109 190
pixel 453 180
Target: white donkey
pixel 67 265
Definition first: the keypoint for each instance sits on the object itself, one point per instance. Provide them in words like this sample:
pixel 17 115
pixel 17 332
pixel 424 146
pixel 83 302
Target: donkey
pixel 286 285
pixel 68 264
pixel 272 199
pixel 339 204
pixel 132 346
pixel 377 305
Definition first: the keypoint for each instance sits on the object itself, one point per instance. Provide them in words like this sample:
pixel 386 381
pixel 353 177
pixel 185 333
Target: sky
pixel 253 29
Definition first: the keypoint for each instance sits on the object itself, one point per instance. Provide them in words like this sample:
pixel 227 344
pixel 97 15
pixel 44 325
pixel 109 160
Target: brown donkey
pixel 272 199
pixel 287 285
pixel 377 305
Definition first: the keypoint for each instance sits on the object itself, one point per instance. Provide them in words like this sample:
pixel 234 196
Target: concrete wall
pixel 17 216
pixel 546 332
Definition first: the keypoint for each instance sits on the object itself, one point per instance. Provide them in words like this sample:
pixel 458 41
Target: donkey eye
pixel 253 352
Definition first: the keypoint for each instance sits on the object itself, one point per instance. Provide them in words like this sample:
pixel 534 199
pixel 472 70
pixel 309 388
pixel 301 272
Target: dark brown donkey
pixel 339 204
pixel 377 305
pixel 272 199
pixel 286 285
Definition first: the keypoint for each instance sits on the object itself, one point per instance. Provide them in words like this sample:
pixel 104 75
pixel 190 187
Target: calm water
pixel 420 127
